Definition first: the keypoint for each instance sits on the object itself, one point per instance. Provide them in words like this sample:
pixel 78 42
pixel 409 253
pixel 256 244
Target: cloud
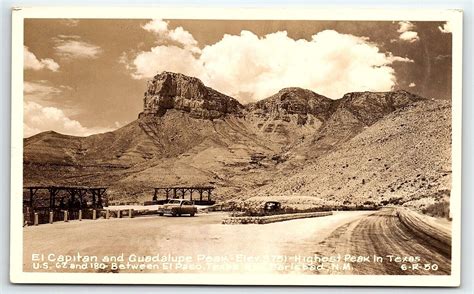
pixel 146 64
pixel 405 26
pixel 30 61
pixel 41 91
pixel 70 22
pixel 445 28
pixel 38 118
pixel 249 67
pixel 178 35
pixel 411 85
pixel 442 57
pixel 71 46
pixel 406 32
pixel 409 36
pixel 40 115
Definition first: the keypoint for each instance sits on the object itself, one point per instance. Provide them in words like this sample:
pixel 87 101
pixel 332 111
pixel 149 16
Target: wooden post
pixel 174 193
pixel 72 197
pixel 93 198
pixel 130 213
pixel 36 219
pixel 99 196
pixel 51 217
pixel 52 200
pixel 191 194
pixel 28 216
pixel 200 195
pixel 80 214
pixel 94 214
pixel 32 194
pixel 31 197
pixel 81 198
pixel 65 215
pixel 107 214
pixel 50 197
pixel 119 213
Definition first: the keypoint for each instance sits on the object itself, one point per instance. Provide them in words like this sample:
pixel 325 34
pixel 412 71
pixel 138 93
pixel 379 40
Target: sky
pixel 88 76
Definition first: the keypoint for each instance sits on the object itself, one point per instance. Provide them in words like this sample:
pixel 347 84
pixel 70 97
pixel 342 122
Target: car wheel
pixel 173 214
pixel 192 214
pixel 160 213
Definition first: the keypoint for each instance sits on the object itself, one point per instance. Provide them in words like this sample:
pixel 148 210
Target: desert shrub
pixel 439 209
pixel 395 201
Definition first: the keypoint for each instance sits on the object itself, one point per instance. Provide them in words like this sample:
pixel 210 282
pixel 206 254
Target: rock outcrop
pixel 293 105
pixel 177 91
pixel 369 107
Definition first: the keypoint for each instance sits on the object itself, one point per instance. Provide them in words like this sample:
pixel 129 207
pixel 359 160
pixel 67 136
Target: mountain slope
pixel 405 155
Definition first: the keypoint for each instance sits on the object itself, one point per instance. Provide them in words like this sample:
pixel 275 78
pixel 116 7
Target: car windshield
pixel 174 202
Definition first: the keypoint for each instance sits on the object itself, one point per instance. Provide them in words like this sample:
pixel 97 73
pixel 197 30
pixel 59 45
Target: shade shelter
pixel 201 195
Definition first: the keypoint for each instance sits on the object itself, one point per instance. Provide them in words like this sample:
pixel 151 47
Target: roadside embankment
pixel 272 218
pixel 428 231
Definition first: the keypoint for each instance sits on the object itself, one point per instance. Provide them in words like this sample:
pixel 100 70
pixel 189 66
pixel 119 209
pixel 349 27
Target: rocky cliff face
pixel 369 107
pixel 177 91
pixel 293 103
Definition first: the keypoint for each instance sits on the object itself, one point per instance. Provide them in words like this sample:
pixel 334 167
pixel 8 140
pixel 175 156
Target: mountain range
pixel 364 147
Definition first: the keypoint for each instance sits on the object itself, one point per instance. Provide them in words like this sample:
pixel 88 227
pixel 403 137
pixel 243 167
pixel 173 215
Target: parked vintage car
pixel 178 207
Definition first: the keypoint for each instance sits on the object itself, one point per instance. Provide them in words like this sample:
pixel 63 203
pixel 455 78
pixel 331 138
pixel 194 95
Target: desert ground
pixel 269 248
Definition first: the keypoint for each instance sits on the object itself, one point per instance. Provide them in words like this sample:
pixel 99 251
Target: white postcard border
pixel 312 13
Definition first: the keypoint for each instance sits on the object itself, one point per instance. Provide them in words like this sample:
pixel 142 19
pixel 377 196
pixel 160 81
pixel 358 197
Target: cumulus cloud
pixel 30 61
pixel 445 28
pixel 38 118
pixel 178 35
pixel 411 85
pixel 71 46
pixel 146 64
pixel 406 32
pixel 409 36
pixel 405 26
pixel 250 67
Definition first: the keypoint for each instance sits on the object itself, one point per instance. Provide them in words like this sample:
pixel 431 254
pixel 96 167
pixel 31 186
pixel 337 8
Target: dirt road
pixel 361 233
pixel 384 234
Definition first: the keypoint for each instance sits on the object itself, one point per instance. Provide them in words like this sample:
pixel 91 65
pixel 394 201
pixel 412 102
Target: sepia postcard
pixel 226 146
